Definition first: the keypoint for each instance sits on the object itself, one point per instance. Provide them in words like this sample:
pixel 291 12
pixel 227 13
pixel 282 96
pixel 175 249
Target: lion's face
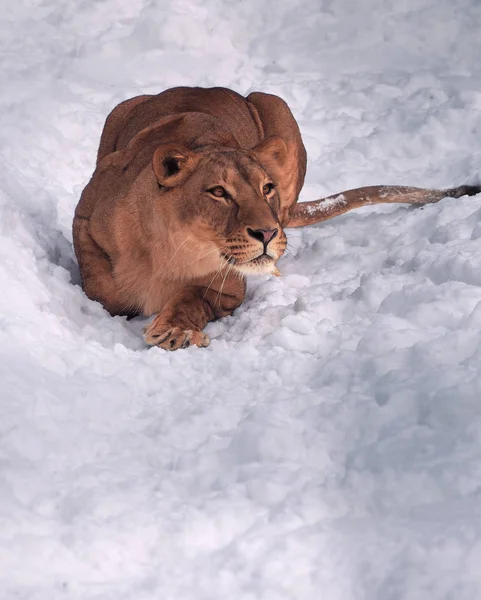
pixel 226 204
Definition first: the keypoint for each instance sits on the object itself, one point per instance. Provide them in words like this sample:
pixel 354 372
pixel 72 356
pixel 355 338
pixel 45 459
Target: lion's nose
pixel 263 235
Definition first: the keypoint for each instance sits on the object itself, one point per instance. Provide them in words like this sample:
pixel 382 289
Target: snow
pixel 327 204
pixel 328 442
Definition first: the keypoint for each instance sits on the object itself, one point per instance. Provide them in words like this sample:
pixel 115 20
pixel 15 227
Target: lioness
pixel 192 190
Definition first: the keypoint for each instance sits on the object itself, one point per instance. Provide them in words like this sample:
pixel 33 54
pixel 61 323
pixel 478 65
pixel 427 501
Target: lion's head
pixel 223 204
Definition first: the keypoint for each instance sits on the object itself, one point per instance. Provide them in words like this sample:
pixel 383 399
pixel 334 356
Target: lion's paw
pixel 174 338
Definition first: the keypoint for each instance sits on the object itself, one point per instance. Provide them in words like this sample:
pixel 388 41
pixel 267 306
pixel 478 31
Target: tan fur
pixel 193 189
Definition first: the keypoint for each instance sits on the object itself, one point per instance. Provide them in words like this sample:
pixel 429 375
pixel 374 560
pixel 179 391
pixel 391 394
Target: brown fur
pixel 193 188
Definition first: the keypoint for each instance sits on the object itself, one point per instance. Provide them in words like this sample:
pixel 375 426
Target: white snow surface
pixel 327 445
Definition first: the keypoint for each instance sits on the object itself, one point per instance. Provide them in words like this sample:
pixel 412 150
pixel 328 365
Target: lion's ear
pixel 173 163
pixel 271 153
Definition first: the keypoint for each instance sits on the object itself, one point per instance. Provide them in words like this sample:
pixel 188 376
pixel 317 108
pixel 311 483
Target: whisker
pixel 223 283
pixel 178 248
pixel 212 280
pixel 201 256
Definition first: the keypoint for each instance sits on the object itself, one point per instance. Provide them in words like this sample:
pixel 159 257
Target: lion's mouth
pixel 262 258
pixel 258 260
pixel 262 263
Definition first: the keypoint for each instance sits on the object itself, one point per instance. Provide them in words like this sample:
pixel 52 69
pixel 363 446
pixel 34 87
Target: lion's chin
pixel 258 266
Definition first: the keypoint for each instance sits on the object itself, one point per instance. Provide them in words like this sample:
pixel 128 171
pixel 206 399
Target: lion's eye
pixel 218 191
pixel 268 189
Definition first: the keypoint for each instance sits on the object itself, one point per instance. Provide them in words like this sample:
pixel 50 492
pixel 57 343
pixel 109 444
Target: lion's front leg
pixel 180 323
pixel 182 319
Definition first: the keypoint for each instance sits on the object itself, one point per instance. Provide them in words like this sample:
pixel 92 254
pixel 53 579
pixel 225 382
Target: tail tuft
pixel 463 190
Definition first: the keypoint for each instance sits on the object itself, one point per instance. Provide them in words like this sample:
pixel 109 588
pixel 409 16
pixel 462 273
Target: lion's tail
pixel 308 213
